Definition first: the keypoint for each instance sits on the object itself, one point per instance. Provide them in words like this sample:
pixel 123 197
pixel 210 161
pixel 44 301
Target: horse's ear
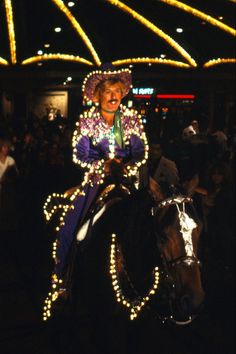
pixel 191 186
pixel 155 190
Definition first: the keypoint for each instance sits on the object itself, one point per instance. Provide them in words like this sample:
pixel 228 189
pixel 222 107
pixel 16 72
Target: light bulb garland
pixel 147 60
pixel 60 4
pixel 218 61
pixel 3 61
pixel 11 30
pixel 123 73
pixel 203 16
pixel 56 56
pixel 136 16
pixel 145 22
pixel 136 305
pixel 92 125
pixel 52 296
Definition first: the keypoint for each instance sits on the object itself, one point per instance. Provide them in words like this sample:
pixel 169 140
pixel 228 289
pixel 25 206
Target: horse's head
pixel 178 232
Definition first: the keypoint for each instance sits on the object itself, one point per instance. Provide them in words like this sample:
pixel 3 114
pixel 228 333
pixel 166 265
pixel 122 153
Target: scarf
pixel 118 129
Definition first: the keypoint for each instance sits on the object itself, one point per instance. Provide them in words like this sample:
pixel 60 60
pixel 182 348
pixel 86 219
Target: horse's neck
pixel 111 192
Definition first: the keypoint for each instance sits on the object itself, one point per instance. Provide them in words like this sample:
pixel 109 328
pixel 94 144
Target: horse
pixel 139 255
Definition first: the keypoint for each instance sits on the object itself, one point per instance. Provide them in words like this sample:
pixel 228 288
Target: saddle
pixel 111 195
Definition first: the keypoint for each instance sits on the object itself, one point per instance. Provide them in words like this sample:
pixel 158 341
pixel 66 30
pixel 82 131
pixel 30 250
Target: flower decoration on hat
pixel 107 71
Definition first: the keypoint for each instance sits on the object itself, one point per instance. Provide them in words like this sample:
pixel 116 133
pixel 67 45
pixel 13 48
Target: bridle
pixel 179 201
pixel 185 260
pixel 189 259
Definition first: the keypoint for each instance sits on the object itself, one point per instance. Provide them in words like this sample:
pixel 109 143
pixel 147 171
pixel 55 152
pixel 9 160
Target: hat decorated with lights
pixel 107 71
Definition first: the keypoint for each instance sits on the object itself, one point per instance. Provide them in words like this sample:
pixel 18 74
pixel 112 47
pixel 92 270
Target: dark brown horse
pixel 140 256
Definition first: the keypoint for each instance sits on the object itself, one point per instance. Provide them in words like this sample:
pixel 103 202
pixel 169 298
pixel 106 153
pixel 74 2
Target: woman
pixel 9 177
pixel 218 213
pixel 7 163
pixel 110 144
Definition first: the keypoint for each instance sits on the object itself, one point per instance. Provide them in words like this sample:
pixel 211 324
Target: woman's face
pixel 5 149
pixel 110 97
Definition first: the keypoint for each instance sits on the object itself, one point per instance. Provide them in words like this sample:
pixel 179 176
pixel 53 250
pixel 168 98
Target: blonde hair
pixel 103 85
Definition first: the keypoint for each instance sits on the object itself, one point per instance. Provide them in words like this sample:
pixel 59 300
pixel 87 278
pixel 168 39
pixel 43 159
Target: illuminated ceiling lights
pixel 39 58
pixel 78 28
pixel 158 32
pixel 213 21
pixel 3 61
pixel 213 62
pixel 11 31
pixel 190 62
pixel 151 60
pixel 58 56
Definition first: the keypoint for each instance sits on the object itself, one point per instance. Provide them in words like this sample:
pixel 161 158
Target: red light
pixel 169 96
pixel 176 96
pixel 142 96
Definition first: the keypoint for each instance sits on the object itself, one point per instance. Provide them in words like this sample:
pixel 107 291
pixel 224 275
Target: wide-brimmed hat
pixel 107 71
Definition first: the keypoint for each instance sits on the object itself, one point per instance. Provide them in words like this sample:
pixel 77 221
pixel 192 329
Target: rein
pixel 187 260
pixel 180 199
pixel 138 303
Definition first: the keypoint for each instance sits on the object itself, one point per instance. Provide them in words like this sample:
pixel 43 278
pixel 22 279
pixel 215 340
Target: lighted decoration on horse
pixel 176 292
pixel 141 255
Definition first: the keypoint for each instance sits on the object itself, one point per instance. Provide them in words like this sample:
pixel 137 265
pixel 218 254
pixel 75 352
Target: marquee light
pixel 213 21
pixel 58 56
pixel 11 31
pixel 151 60
pixel 60 4
pixel 3 61
pixel 136 16
pixel 176 96
pixel 219 61
pixel 143 91
pixel 167 96
pixel 154 29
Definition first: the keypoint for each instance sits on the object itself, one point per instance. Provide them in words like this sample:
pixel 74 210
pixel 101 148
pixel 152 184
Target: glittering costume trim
pixel 92 124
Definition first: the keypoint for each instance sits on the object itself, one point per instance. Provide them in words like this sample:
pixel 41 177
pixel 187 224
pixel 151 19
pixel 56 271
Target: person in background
pixel 185 155
pixel 218 142
pixel 8 168
pixel 195 126
pixel 161 169
pixel 109 143
pixel 9 212
pixel 188 132
pixel 218 207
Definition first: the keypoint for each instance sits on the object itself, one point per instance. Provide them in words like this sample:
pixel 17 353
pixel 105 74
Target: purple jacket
pixel 92 143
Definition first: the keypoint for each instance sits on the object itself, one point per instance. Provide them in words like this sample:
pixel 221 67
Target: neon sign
pixel 143 91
